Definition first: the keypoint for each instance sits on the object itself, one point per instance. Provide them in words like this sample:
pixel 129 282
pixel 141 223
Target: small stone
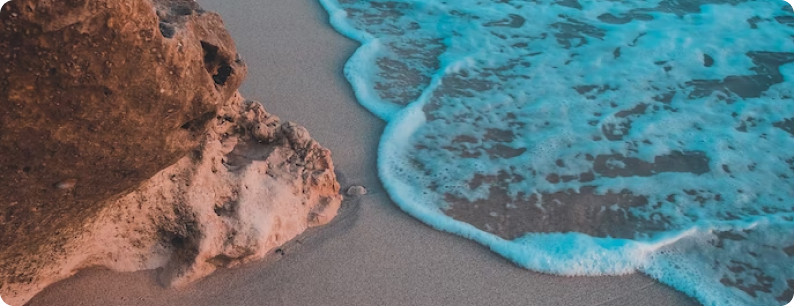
pixel 356 191
pixel 66 184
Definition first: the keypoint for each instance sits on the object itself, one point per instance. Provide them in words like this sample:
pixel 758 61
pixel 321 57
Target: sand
pixel 373 253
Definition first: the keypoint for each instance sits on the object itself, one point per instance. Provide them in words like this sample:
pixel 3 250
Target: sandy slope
pixel 373 254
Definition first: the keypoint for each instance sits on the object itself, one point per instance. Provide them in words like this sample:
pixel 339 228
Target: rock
pixel 297 135
pixel 93 90
pixel 198 219
pixel 211 209
pixel 356 191
pixel 126 145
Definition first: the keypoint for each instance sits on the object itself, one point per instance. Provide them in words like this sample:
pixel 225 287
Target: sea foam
pixel 592 137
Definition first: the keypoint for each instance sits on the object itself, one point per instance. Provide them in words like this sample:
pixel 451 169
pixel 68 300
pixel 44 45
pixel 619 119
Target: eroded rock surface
pixel 125 144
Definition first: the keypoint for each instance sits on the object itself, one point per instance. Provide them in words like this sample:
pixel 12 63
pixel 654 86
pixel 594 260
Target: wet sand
pixel 373 254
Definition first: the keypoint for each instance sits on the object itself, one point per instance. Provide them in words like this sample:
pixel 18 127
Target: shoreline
pixel 373 253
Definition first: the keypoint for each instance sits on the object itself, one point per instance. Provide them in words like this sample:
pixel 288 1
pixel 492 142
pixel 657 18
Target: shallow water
pixel 592 138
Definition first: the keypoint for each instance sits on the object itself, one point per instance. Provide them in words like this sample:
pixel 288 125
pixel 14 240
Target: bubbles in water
pixel 597 137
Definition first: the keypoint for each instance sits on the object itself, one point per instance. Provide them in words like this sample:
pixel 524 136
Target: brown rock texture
pixel 95 98
pixel 124 144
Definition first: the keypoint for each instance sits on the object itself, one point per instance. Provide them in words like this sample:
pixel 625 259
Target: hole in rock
pixel 223 74
pixel 215 64
pixel 167 30
pixel 210 55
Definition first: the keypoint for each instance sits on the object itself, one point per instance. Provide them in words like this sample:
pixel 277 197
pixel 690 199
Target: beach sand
pixel 373 253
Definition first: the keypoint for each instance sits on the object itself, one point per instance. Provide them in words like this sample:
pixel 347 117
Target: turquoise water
pixel 592 137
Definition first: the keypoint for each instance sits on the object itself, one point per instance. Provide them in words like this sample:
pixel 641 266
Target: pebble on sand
pixel 356 191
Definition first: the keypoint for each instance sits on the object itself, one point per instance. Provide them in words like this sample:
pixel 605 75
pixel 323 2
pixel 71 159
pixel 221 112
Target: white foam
pixel 511 88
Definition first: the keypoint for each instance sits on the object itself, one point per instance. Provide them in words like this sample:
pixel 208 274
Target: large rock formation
pixel 124 144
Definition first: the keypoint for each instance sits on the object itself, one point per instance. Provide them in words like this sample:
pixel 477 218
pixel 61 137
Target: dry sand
pixel 373 254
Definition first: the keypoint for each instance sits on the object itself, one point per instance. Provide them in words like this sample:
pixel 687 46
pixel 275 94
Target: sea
pixel 599 137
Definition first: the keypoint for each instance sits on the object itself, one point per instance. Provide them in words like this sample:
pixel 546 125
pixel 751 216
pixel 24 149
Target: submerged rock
pixel 125 144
